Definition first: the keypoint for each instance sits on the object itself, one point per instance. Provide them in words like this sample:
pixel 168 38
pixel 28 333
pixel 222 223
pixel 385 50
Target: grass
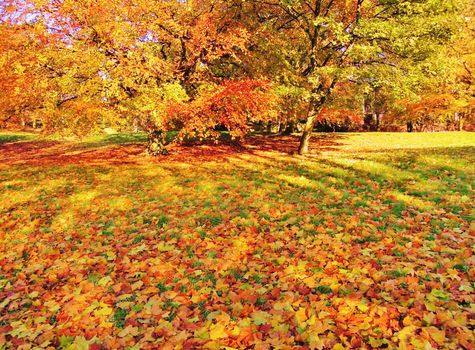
pixel 376 142
pixel 16 136
pixel 368 242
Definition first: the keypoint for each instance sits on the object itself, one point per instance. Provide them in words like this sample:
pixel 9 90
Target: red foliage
pixel 430 104
pixel 340 116
pixel 232 105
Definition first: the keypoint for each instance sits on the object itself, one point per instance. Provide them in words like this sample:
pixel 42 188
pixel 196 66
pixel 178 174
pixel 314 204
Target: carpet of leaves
pixel 218 247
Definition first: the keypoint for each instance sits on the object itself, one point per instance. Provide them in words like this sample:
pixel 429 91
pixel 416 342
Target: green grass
pixel 15 136
pixel 122 138
pixel 376 142
pixel 380 224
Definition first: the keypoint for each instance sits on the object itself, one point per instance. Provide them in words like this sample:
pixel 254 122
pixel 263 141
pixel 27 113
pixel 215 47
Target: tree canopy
pixel 193 66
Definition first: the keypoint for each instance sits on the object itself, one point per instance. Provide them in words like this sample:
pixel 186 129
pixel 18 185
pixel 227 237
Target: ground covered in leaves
pixel 366 243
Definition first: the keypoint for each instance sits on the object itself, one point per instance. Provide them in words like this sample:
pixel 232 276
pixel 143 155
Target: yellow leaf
pixel 315 342
pixel 260 317
pixel 202 333
pixel 312 320
pixel 310 282
pixel 375 343
pixel 345 310
pixel 301 315
pixel 437 334
pixel 429 318
pixel 104 281
pixel 129 330
pixel 105 311
pixel 137 285
pixel 218 331
pixel 236 331
pixel 34 294
pixel 111 256
pixel 362 307
pixel 430 306
pixel 406 332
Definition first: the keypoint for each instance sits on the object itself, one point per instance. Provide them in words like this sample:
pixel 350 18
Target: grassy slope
pixel 369 241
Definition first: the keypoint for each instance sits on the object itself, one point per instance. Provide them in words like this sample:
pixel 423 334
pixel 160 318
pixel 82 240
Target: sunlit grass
pixel 393 141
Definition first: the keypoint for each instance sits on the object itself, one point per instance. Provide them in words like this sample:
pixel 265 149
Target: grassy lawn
pixel 368 242
pixel 15 136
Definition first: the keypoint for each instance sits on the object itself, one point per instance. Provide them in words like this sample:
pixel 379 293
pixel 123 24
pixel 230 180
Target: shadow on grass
pixel 14 138
pixel 128 148
pixel 123 139
pixel 290 144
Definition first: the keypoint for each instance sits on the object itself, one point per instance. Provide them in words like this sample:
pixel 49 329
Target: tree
pixel 22 93
pixel 88 64
pixel 232 105
pixel 133 68
pixel 463 86
pixel 447 101
pixel 319 43
pixel 430 110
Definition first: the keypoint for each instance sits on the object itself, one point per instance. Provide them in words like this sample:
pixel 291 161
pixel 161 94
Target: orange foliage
pixel 233 105
pixel 340 116
pixel 435 103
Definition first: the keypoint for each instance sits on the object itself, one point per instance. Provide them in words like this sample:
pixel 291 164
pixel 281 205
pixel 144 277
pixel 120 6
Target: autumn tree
pixel 23 93
pixel 120 62
pixel 164 64
pixel 463 86
pixel 318 43
pixel 446 101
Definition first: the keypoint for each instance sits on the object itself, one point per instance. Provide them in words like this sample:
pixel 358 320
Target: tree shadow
pixel 50 153
pixel 290 144
pixel 121 139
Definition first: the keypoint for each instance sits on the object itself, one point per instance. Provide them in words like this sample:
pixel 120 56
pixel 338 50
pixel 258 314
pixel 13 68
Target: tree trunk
pixel 156 143
pixel 269 128
pixel 410 127
pixel 459 121
pixel 307 134
pixel 289 129
pixel 314 108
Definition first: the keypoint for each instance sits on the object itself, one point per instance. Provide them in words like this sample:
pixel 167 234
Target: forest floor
pixel 367 242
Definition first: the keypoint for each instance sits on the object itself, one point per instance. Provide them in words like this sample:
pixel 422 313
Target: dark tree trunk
pixel 289 129
pixel 410 127
pixel 269 128
pixel 156 143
